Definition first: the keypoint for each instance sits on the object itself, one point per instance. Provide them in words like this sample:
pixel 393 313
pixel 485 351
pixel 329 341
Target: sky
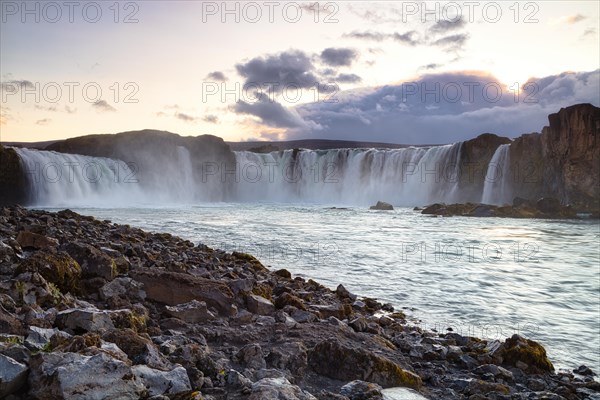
pixel 394 71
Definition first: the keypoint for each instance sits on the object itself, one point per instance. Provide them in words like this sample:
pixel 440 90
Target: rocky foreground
pixel 94 310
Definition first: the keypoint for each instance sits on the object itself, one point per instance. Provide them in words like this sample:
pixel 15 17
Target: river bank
pixel 163 316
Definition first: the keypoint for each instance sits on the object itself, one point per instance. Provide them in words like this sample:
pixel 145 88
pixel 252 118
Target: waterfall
pixel 404 177
pixel 409 176
pixel 496 187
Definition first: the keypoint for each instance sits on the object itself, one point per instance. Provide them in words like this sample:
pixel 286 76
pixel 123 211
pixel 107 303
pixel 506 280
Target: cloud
pixel 103 106
pixel 185 117
pixel 452 42
pixel 443 26
pixel 445 108
pixel 211 119
pixel 217 76
pixel 43 122
pixel 5 115
pixel 18 84
pixel 45 108
pixel 339 57
pixel 70 110
pixel 573 19
pixel 431 66
pixel 348 78
pixel 410 38
pixel 290 68
pixel 589 32
pixel 272 113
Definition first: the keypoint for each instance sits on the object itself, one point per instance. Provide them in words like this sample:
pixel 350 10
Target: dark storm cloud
pixel 290 68
pixel 339 57
pixel 217 76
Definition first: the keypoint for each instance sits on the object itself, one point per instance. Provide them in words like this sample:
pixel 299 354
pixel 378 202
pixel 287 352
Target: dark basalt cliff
pixel 13 185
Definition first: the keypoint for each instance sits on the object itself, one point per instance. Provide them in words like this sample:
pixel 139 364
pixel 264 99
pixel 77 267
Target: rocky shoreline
pixel 95 310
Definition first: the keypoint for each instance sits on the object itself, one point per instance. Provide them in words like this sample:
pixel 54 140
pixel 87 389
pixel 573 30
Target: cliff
pixel 13 185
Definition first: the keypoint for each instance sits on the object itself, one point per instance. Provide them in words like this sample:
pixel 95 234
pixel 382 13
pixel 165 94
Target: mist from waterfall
pixel 496 188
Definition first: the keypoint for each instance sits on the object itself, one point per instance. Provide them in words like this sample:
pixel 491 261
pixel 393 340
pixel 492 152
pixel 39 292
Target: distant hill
pixel 313 144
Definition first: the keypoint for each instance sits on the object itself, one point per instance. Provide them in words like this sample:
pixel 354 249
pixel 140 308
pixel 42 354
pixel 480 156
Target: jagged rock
pixel 252 356
pixel 174 288
pixel 337 361
pixel 84 320
pixel 293 356
pixel 13 375
pixel 122 287
pixel 361 390
pixel 382 205
pixel 93 262
pixel 171 383
pixel 193 312
pixel 76 376
pixel 237 380
pixel 139 350
pixel 277 389
pixel 38 338
pixel 59 269
pixel 35 241
pixel 259 305
pixel 288 299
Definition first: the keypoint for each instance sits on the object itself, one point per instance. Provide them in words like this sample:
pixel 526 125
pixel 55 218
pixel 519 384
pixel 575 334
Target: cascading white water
pixel 59 179
pixel 496 188
pixel 409 176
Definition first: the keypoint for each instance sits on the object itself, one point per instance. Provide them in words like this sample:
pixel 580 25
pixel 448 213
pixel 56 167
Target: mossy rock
pixel 335 360
pixel 263 290
pixel 59 269
pixel 517 348
pixel 253 261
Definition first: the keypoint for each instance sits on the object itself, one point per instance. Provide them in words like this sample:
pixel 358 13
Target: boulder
pixel 59 269
pixel 80 320
pixel 252 356
pixel 38 338
pixel 361 390
pixel 30 240
pixel 259 305
pixel 278 389
pixel 77 376
pixel 122 287
pixel 528 353
pixel 139 349
pixel 93 262
pixel 382 205
pixel 168 383
pixel 173 288
pixel 344 362
pixel 193 312
pixel 13 375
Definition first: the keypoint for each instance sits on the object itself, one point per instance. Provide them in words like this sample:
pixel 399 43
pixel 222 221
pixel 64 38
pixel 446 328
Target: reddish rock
pixel 35 241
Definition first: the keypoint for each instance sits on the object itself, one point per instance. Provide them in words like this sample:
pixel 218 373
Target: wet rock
pixel 359 324
pixel 30 240
pixel 548 205
pixel 84 320
pixel 382 205
pixel 276 389
pixel 13 375
pixel 337 361
pixel 74 376
pixel 259 305
pixel 584 370
pixel 360 390
pixel 172 288
pixel 193 312
pixel 344 293
pixel 530 355
pixel 169 383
